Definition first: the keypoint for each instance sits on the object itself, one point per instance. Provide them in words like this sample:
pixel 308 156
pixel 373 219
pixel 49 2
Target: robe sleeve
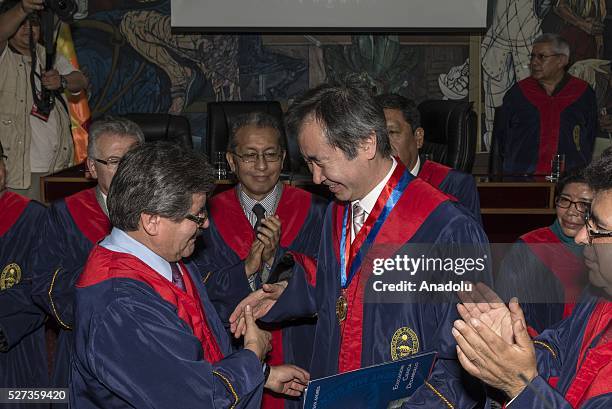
pixel 19 317
pixel 139 350
pixel 449 385
pixel 60 261
pixel 223 273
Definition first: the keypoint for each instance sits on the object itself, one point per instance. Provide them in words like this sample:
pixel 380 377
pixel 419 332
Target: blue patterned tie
pixel 177 277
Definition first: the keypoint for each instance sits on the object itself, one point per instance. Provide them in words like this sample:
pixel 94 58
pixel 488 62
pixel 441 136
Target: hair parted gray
pixel 157 178
pixel 115 126
pixel 258 119
pixel 559 44
pixel 347 113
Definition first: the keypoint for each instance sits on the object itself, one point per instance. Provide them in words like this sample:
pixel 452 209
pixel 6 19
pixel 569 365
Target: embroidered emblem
pixel 404 343
pixel 11 275
pixel 576 134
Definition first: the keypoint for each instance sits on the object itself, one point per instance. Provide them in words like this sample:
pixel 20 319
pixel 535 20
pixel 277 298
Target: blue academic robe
pixel 72 226
pixel 532 126
pixel 23 360
pixel 453 182
pixel 385 326
pixel 574 361
pixel 226 243
pixel 547 274
pixel 141 342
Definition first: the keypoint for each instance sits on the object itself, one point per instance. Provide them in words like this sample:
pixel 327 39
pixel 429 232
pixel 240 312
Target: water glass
pixel 220 165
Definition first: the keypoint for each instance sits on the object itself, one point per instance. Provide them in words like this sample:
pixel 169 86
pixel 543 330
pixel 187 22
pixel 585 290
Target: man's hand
pixel 29 6
pixel 485 355
pixel 287 379
pixel 255 339
pixel 51 80
pixel 485 305
pixel 269 234
pixel 261 301
pixel 252 263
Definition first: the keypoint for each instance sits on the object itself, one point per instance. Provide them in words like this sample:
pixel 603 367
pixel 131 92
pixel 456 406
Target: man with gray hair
pixel 146 334
pixel 73 225
pixel 548 113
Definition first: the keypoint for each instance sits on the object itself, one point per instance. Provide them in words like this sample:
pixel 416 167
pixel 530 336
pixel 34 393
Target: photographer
pixel 35 142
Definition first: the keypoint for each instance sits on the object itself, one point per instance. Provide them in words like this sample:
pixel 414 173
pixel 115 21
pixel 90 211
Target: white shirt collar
pixel 368 202
pixel 121 242
pixel 417 167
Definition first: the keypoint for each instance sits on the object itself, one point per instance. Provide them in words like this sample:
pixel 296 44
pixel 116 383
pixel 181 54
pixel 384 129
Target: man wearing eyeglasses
pixel 35 142
pixel 23 356
pixel 72 227
pixel 545 268
pixel 252 229
pixel 570 365
pixel 146 333
pixel 548 113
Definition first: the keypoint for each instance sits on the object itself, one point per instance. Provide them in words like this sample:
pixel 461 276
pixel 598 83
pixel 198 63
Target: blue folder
pixel 374 387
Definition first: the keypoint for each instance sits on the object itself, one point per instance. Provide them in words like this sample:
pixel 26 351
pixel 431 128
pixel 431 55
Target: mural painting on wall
pixel 505 49
pixel 135 63
pixel 415 71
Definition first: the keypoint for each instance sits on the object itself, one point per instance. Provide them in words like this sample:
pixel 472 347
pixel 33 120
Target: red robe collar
pixel 419 200
pixel 433 173
pixel 104 264
pixel 550 108
pixel 569 269
pixel 594 366
pixel 88 215
pixel 235 229
pixel 11 207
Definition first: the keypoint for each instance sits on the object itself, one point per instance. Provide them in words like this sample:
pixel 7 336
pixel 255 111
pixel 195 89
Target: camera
pixel 63 9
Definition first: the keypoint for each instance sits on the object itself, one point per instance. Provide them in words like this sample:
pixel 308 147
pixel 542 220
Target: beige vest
pixel 15 132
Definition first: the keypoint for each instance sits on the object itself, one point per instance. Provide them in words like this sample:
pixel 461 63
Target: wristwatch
pixel 63 84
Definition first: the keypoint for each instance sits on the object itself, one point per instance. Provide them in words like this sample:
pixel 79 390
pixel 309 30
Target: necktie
pixel 177 277
pixel 359 216
pixel 260 212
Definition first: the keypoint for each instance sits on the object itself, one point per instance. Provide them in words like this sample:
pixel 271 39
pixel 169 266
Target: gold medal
pixel 341 308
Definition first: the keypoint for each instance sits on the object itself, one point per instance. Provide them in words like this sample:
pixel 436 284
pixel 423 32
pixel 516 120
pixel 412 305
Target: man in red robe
pixel 407 136
pixel 146 333
pixel 236 259
pixel 72 226
pixel 568 366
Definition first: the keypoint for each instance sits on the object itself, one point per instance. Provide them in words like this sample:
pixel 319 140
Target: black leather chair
pixel 221 116
pixel 450 132
pixel 163 127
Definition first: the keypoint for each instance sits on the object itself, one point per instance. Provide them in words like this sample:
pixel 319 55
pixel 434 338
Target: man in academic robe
pixel 72 226
pixel 568 366
pixel 146 334
pixel 23 357
pixel 235 259
pixel 545 267
pixel 381 212
pixel 406 136
pixel 548 113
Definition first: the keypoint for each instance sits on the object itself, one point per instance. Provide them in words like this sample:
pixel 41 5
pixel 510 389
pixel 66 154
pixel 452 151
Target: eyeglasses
pixel 542 57
pixel 565 203
pixel 199 220
pixel 254 157
pixel 111 162
pixel 591 232
pixel 4 157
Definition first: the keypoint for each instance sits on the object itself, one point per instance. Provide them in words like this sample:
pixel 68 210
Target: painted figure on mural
pixel 581 22
pixel 505 50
